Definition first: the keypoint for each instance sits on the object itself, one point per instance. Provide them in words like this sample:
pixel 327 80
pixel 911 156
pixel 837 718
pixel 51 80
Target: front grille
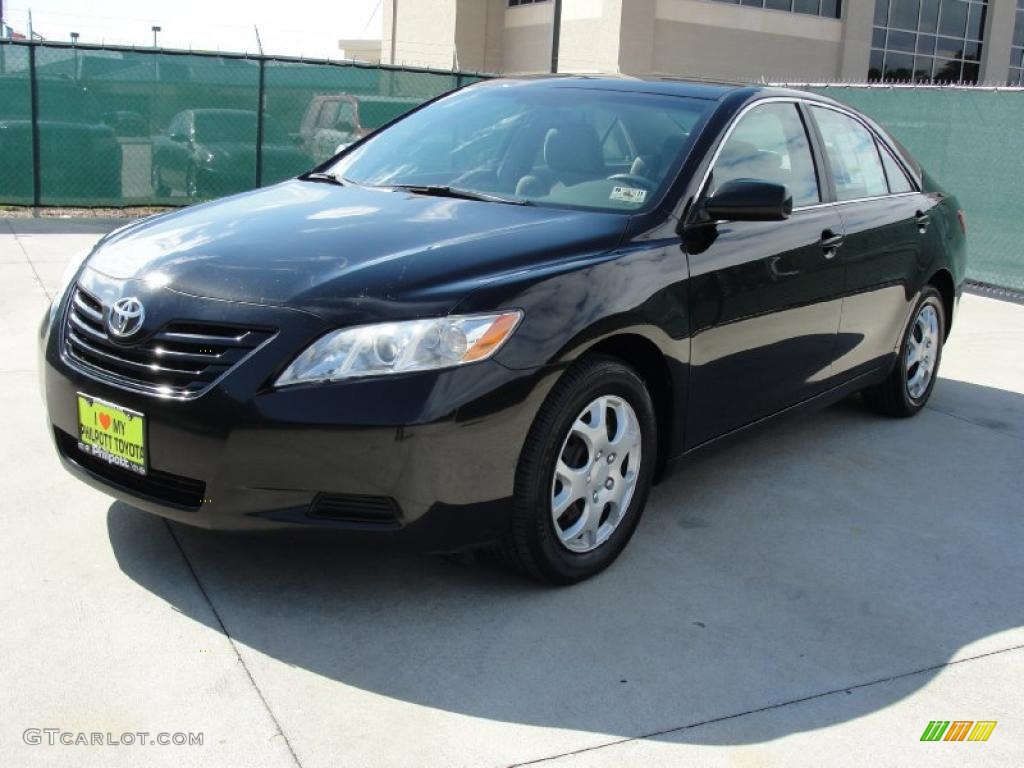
pixel 163 487
pixel 370 511
pixel 181 359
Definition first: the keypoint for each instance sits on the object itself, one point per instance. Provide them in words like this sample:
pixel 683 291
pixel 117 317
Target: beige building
pixel 361 50
pixel 778 40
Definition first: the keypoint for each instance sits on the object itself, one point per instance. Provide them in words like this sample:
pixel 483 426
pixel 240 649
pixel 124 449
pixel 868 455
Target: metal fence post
pixel 34 90
pixel 261 105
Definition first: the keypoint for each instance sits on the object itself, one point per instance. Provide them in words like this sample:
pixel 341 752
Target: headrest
pixel 573 148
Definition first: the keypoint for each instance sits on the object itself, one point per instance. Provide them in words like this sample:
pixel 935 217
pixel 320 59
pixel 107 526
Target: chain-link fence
pixel 99 126
pixel 971 140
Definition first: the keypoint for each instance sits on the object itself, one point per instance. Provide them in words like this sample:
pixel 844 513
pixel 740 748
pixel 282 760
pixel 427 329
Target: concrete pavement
pixel 812 596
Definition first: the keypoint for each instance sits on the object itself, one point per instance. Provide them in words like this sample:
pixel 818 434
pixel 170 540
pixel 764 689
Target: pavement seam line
pixel 234 646
pixel 769 707
pixel 966 420
pixel 35 272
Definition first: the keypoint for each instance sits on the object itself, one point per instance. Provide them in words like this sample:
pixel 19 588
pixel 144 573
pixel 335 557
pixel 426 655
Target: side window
pixel 898 181
pixel 852 155
pixel 770 144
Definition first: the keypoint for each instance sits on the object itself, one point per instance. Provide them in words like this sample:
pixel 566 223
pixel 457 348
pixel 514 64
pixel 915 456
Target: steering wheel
pixel 636 180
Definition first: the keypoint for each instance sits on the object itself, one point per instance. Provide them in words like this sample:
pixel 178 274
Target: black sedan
pixel 502 318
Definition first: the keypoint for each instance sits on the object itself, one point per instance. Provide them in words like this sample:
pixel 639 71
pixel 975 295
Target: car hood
pixel 331 250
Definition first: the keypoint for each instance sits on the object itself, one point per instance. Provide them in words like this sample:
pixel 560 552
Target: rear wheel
pixel 584 473
pixel 910 384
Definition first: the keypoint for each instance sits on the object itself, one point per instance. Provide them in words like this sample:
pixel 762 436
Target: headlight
pixel 414 345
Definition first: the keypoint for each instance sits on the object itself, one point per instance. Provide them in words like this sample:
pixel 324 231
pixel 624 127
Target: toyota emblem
pixel 126 316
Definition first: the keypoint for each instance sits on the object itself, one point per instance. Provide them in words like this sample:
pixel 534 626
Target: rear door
pixel 885 219
pixel 765 297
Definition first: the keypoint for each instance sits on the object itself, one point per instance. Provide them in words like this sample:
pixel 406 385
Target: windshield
pixel 575 147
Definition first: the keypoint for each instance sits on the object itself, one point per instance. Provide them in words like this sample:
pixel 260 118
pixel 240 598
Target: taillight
pixel 962 218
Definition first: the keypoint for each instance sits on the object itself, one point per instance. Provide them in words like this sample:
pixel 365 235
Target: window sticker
pixel 628 195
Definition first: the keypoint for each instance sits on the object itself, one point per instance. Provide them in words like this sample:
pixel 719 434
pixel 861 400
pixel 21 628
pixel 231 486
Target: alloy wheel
pixel 596 474
pixel 922 351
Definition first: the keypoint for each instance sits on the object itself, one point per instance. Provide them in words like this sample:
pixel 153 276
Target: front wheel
pixel 910 384
pixel 584 473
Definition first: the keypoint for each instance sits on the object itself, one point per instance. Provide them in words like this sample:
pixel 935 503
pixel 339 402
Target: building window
pixel 1017 48
pixel 513 3
pixel 928 41
pixel 831 9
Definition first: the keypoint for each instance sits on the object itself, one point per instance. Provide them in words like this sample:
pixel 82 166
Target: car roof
pixel 697 89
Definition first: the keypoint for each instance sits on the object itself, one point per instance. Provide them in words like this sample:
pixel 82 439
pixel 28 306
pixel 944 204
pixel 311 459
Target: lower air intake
pixel 369 511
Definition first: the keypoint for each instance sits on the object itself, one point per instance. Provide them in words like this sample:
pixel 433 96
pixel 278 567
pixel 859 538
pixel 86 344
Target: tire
pixel 564 433
pixel 902 394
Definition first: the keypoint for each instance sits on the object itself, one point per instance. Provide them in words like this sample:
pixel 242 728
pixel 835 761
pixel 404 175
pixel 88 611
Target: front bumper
pixel 437 449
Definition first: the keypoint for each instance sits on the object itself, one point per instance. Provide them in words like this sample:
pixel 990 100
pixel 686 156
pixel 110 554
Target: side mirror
pixel 749 200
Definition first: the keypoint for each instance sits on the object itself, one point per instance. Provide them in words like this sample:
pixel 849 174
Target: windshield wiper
pixel 440 190
pixel 328 178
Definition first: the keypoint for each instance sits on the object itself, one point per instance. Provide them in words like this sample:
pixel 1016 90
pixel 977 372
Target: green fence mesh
pixel 971 141
pixel 311 110
pixel 120 127
pixel 15 126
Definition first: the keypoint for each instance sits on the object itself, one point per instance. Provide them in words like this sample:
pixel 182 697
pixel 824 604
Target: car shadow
pixel 824 553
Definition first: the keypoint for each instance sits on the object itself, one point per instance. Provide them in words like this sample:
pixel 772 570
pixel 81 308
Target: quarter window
pixel 770 144
pixel 852 154
pixel 898 181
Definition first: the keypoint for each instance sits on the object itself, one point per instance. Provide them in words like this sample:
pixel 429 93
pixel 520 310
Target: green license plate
pixel 111 433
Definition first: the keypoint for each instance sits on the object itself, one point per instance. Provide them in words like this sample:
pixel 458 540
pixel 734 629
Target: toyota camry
pixel 503 317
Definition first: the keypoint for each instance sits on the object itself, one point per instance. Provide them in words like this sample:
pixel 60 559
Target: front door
pixel 765 297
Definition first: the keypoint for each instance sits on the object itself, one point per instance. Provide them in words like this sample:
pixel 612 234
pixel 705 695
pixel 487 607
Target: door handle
pixel 830 243
pixel 922 219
